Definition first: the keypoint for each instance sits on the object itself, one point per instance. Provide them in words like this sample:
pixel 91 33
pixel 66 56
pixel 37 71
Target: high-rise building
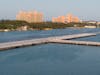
pixel 70 18
pixel 31 16
pixel 60 19
pixel 66 19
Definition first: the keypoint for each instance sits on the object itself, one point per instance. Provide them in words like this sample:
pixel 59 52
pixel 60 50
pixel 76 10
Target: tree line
pixel 14 24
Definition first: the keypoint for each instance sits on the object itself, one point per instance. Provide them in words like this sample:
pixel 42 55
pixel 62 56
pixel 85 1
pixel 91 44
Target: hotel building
pixel 31 16
pixel 60 19
pixel 66 19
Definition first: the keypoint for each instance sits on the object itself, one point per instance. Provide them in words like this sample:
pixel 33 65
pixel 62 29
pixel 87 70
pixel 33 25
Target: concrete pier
pixel 56 39
pixel 87 43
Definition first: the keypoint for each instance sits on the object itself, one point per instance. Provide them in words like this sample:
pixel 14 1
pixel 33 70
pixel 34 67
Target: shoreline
pixel 46 29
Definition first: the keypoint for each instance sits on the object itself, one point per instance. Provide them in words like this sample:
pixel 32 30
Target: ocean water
pixel 22 35
pixel 50 59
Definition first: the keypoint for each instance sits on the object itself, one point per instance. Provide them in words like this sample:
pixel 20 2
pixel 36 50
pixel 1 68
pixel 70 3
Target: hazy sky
pixel 84 9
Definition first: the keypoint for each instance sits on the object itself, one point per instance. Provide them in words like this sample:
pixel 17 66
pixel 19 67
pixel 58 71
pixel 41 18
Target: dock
pixel 86 43
pixel 65 39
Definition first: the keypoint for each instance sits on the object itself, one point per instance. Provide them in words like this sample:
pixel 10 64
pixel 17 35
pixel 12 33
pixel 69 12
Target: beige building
pixel 60 19
pixel 66 19
pixel 69 18
pixel 31 16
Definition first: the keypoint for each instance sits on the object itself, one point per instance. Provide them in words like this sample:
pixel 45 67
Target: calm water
pixel 17 35
pixel 50 59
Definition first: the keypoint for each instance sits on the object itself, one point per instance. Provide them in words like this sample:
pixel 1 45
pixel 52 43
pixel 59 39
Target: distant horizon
pixel 85 10
pixel 47 18
pixel 51 20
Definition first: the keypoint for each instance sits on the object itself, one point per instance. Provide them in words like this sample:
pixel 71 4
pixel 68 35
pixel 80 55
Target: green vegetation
pixel 14 25
pixel 48 25
pixel 11 24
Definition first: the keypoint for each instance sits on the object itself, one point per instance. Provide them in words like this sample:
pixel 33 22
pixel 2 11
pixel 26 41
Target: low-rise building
pixel 89 26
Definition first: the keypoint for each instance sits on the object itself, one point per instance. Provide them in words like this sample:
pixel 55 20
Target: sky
pixel 84 9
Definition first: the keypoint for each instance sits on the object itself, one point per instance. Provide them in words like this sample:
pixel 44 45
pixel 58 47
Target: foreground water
pixel 50 59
